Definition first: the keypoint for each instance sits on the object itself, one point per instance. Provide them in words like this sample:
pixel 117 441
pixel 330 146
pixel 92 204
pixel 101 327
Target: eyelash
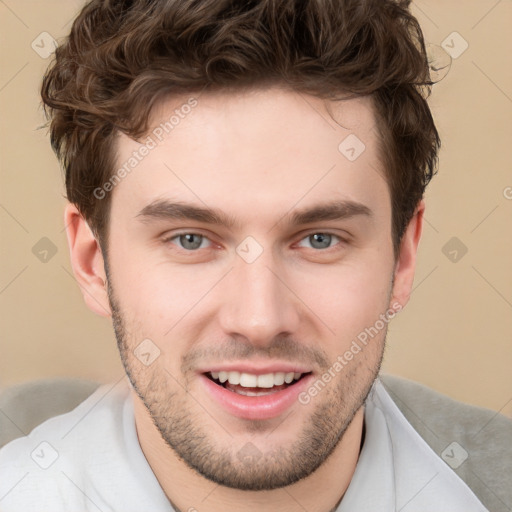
pixel 328 249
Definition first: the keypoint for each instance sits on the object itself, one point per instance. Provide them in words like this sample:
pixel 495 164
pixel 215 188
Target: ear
pixel 87 261
pixel 406 262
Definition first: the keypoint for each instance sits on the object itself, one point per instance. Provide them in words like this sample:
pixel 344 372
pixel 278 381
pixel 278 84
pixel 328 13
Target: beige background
pixel 455 334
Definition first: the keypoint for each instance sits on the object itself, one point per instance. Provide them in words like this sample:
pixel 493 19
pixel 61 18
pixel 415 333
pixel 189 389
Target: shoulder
pixel 40 469
pixel 25 406
pixel 473 441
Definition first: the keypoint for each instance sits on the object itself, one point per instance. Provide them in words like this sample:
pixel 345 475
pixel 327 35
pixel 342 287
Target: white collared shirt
pixel 90 460
pixel 398 471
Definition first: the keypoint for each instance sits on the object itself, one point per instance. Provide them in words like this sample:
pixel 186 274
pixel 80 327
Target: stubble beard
pixel 333 410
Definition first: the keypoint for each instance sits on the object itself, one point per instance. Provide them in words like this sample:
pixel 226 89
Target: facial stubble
pixel 179 418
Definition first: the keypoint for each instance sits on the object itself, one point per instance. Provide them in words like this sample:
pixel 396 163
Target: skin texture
pixel 257 156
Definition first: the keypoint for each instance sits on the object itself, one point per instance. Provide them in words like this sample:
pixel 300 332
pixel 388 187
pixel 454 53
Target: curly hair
pixel 123 56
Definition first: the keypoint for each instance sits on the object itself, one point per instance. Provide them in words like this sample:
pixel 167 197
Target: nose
pixel 257 302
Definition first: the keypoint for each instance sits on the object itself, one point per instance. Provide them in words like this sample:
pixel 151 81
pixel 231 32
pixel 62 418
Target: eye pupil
pixel 322 239
pixel 187 240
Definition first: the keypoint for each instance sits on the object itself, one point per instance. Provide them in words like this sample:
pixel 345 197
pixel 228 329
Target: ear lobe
pixel 406 262
pixel 87 261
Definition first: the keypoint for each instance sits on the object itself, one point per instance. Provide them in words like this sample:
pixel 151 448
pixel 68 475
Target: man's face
pixel 268 294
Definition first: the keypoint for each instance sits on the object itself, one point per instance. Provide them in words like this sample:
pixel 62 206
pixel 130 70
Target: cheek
pixel 158 299
pixel 349 298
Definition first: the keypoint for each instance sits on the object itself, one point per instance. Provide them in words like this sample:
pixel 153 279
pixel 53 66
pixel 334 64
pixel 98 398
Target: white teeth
pixel 252 393
pixel 266 381
pixel 279 378
pixel 288 377
pixel 234 377
pixel 248 380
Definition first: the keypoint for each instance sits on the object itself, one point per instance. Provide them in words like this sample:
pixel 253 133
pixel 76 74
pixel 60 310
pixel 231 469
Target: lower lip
pixel 255 407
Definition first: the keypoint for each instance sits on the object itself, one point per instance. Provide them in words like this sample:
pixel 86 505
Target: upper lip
pixel 257 369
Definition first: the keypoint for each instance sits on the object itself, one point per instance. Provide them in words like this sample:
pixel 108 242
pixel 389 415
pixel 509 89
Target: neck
pixel 188 491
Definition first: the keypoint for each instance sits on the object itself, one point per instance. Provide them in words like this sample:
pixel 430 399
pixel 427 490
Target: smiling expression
pixel 244 248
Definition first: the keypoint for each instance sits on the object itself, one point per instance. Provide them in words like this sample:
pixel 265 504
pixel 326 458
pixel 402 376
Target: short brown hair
pixel 122 57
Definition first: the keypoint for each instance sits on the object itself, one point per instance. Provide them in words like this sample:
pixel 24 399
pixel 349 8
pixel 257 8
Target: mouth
pixel 248 384
pixel 255 396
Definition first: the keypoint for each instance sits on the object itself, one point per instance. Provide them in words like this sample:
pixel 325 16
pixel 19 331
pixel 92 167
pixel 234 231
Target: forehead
pixel 245 150
pixel 257 115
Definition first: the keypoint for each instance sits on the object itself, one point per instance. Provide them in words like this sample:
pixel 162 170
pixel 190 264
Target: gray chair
pixel 484 435
pixel 25 406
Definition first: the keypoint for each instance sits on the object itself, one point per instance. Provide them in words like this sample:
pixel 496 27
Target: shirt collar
pixel 372 486
pixel 397 469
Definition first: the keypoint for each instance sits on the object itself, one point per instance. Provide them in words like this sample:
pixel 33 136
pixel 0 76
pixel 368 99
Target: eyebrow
pixel 171 210
pixel 335 210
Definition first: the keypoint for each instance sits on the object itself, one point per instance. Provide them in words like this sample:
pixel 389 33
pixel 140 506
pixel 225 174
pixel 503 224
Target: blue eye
pixel 320 240
pixel 189 241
